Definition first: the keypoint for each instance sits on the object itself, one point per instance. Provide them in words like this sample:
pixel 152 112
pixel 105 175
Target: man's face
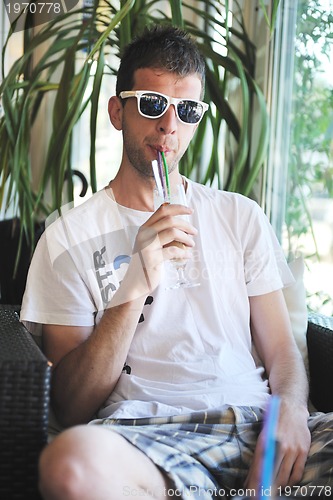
pixel 142 136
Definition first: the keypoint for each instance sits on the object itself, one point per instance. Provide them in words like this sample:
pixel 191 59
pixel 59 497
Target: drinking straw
pixel 270 425
pixel 166 173
pixel 160 171
pixel 158 181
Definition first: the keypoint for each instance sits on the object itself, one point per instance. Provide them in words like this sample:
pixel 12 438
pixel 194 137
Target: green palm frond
pixel 69 75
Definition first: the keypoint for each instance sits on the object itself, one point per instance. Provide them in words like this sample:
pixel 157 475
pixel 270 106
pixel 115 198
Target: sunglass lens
pixel 190 111
pixel 152 104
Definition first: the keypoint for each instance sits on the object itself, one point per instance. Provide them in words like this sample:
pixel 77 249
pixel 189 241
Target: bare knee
pixel 88 462
pixel 61 469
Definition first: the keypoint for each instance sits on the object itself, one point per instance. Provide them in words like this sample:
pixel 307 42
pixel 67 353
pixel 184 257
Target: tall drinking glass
pixel 176 196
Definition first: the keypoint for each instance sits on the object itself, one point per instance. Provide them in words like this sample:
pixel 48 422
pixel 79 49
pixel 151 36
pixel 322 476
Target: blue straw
pixel 270 426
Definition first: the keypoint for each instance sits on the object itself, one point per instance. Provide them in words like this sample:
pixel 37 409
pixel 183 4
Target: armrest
pixel 24 403
pixel 320 355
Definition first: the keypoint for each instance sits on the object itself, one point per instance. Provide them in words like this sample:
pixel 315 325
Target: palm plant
pixel 100 31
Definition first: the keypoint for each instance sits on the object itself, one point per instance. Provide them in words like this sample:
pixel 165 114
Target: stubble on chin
pixel 140 164
pixel 145 169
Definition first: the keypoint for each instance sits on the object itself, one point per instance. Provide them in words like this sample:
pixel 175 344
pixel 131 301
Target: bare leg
pixel 88 462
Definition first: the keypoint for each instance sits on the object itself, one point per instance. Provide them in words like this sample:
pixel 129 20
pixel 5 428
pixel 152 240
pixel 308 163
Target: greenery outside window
pixel 299 197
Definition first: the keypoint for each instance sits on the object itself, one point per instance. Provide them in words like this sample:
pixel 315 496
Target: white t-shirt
pixel 192 347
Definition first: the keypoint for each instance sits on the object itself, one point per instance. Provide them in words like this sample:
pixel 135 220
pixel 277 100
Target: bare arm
pixel 88 361
pixel 86 374
pixel 275 344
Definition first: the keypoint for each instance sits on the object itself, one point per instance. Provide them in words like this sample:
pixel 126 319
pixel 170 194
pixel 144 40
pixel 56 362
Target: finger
pixel 174 252
pixel 171 235
pixel 149 240
pixel 164 232
pixel 170 210
pixel 298 469
pixel 254 476
pixel 170 221
pixel 173 209
pixel 169 244
pixel 291 470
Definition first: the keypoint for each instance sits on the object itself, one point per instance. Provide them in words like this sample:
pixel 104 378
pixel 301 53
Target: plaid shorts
pixel 207 455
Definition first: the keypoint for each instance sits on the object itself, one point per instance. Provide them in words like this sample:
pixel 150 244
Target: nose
pixel 168 122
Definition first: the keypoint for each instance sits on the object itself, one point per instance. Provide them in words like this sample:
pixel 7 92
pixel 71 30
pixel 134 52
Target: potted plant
pixel 97 31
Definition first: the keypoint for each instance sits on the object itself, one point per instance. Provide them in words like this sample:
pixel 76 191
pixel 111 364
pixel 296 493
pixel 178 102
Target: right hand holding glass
pixel 155 241
pixel 176 197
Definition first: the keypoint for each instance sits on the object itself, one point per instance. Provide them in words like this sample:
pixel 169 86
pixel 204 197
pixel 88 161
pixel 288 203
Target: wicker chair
pixel 24 403
pixel 25 388
pixel 320 352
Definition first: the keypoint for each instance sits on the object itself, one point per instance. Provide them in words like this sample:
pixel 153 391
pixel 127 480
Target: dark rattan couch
pixel 25 387
pixel 24 402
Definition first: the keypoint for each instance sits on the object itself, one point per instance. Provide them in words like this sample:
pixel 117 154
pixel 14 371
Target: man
pixel 166 378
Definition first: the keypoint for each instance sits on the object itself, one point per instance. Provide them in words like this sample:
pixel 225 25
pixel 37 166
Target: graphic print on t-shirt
pixel 105 275
pixel 149 300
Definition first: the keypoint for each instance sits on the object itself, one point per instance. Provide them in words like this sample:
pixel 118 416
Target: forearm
pixel 86 376
pixel 275 344
pixel 287 376
pixel 287 379
pixel 277 349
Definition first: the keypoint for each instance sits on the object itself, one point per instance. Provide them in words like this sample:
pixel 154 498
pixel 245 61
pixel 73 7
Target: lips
pixel 161 149
pixel 156 148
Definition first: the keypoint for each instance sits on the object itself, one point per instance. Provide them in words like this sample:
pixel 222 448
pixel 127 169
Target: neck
pixel 135 191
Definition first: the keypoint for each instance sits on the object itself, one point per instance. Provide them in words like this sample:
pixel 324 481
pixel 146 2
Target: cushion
pixel 295 297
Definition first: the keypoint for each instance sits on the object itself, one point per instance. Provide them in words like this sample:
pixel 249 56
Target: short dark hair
pixel 160 46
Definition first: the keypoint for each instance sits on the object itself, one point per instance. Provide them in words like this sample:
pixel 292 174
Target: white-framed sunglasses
pixel 154 105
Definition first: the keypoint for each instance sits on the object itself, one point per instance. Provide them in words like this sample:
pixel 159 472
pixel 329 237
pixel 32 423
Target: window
pixel 300 201
pixel 13 52
pixel 15 46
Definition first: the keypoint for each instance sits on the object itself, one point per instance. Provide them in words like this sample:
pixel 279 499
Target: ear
pixel 115 110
